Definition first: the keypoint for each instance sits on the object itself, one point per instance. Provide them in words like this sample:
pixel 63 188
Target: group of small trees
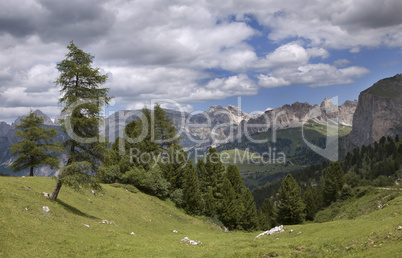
pixel 293 207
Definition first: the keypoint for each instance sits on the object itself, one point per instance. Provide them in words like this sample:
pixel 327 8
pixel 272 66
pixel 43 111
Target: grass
pixel 28 231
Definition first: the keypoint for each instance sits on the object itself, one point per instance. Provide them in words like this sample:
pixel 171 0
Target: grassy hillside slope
pixel 27 230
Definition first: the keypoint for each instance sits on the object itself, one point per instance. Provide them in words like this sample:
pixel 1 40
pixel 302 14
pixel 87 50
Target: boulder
pixel 188 241
pixel 278 229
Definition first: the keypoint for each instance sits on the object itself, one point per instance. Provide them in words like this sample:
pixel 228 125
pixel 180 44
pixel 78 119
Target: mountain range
pixel 377 113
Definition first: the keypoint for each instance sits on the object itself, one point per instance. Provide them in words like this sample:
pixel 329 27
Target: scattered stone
pixel 45 208
pixel 278 229
pixel 107 222
pixel 299 233
pixel 132 233
pixel 400 228
pixel 188 241
pixel 26 208
pixel 380 206
pixel 93 192
pixel 174 231
pixel 47 194
pixel 290 231
pixel 85 225
pixel 226 230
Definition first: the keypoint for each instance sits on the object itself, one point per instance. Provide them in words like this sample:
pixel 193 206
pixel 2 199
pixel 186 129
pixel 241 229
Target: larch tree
pixel 83 99
pixel 36 147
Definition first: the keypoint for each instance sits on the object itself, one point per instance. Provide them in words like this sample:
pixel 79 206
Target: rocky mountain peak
pixel 4 128
pixel 46 119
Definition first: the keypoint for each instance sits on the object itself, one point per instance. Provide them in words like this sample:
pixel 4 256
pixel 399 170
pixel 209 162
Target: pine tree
pixel 333 182
pixel 246 207
pixel 311 206
pixel 140 138
pixel 291 206
pixel 83 100
pixel 209 203
pixel 249 217
pixel 202 175
pixel 230 208
pixel 174 167
pixel 164 129
pixel 267 215
pixel 215 176
pixel 234 176
pixel 153 132
pixel 192 192
pixel 35 148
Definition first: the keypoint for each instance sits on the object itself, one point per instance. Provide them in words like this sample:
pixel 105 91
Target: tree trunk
pixel 31 173
pixel 56 190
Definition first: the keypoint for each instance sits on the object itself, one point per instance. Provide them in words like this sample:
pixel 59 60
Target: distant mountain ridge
pixel 213 127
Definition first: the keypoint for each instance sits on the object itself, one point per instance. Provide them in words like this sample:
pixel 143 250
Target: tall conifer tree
pixel 83 99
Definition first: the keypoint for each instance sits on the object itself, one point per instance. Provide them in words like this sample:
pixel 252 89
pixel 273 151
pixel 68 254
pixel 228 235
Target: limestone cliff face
pixel 379 112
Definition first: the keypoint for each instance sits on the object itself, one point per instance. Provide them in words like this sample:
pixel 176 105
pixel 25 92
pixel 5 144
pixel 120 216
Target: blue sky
pixel 195 54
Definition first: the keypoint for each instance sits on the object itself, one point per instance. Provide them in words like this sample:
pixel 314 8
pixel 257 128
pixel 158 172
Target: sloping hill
pixel 29 231
pixel 289 154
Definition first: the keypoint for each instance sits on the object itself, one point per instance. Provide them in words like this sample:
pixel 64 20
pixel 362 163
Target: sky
pixel 189 55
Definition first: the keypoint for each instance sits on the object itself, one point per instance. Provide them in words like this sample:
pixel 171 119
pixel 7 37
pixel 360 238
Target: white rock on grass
pixel 188 241
pixel 278 229
pixel 132 233
pixel 174 231
pixel 85 225
pixel 45 208
pixel 107 222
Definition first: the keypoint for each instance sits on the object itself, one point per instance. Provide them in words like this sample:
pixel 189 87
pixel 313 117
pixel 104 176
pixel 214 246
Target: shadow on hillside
pixel 75 210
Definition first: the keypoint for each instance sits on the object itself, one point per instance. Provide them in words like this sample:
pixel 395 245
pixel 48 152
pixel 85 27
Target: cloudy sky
pixel 200 53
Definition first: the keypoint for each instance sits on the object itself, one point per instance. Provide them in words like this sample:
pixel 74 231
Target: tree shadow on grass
pixel 75 210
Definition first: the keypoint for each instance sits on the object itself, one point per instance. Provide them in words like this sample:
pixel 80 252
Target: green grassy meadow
pixel 26 230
